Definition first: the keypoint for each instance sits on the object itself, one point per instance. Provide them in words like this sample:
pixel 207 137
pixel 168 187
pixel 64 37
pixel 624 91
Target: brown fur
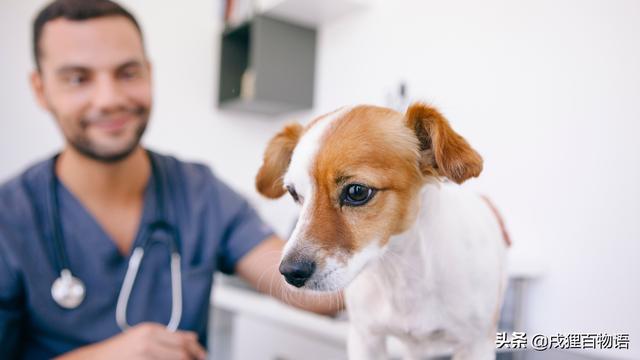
pixel 444 152
pixel 371 146
pixel 379 148
pixel 276 161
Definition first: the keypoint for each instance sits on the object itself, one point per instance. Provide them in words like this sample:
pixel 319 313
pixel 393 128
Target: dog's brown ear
pixel 276 161
pixel 442 151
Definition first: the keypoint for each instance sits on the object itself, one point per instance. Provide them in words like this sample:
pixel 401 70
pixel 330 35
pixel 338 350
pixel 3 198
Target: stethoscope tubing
pixel 62 261
pixel 129 280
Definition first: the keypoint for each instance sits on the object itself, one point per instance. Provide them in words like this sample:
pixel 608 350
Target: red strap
pixel 495 211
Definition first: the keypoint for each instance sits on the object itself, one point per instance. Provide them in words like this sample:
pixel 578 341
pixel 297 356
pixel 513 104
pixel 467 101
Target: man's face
pixel 96 81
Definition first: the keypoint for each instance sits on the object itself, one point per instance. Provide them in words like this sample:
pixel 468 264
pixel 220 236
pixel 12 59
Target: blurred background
pixel 547 91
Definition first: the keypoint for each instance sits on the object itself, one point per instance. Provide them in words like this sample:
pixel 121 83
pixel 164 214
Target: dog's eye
pixel 356 195
pixel 293 193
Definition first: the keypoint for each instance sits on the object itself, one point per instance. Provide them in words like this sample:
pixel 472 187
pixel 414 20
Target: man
pixel 89 206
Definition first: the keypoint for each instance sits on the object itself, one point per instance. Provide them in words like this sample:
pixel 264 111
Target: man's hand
pixel 143 341
pixel 259 267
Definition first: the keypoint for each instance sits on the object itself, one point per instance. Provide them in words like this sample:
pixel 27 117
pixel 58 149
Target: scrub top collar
pixel 103 242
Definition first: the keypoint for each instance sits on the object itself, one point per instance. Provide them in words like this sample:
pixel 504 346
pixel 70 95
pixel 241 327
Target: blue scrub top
pixel 217 228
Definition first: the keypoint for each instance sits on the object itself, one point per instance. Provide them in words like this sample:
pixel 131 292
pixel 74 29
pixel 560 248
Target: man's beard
pixel 84 146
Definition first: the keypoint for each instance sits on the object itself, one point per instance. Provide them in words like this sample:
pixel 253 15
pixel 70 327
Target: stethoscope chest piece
pixel 67 290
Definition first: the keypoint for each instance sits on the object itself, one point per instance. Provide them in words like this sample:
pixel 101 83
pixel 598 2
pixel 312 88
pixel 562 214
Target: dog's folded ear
pixel 276 161
pixel 443 152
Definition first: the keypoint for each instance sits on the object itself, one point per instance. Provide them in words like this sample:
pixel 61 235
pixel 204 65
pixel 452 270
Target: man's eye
pixel 76 79
pixel 130 74
pixel 356 195
pixel 293 193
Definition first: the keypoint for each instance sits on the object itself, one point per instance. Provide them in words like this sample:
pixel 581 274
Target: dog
pixel 384 218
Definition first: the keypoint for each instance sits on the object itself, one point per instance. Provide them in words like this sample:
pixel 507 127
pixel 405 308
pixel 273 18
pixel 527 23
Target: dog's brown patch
pixel 444 152
pixel 367 145
pixel 276 161
pixel 376 147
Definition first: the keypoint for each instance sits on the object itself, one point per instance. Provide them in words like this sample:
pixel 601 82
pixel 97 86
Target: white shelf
pixel 309 12
pixel 266 308
pixel 248 303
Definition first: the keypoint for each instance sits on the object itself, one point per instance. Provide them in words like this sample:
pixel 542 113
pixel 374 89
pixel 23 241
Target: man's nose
pixel 297 272
pixel 108 94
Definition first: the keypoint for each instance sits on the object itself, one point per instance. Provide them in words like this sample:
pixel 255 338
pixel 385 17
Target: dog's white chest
pixel 395 301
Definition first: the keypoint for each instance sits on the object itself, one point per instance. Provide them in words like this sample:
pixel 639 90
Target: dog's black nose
pixel 297 272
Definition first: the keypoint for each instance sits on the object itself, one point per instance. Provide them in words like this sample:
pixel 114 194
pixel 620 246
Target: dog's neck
pixel 404 250
pixel 405 242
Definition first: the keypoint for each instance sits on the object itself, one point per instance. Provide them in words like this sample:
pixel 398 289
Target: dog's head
pixel 357 173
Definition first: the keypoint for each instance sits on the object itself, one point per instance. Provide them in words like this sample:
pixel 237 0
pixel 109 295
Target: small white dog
pixel 420 259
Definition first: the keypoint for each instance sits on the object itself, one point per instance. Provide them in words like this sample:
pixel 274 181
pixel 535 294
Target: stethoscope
pixel 69 291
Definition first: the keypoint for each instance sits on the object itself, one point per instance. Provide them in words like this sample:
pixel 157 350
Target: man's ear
pixel 35 79
pixel 442 151
pixel 276 161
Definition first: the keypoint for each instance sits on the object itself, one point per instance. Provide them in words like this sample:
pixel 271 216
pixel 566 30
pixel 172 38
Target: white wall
pixel 548 92
pixel 25 131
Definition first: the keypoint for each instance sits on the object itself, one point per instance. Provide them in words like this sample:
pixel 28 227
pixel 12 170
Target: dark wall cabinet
pixel 267 67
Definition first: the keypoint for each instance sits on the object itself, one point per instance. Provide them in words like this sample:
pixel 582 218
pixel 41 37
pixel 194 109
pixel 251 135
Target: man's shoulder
pixel 174 164
pixel 193 175
pixel 199 180
pixel 13 190
pixel 16 199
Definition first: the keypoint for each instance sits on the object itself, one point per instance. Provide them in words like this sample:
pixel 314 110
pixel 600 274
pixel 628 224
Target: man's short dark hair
pixel 77 10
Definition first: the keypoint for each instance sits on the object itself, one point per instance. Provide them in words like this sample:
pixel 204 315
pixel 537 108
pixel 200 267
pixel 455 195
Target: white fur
pixel 436 286
pixel 336 275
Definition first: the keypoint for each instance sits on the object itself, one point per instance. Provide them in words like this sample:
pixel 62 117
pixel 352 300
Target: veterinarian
pixel 107 250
